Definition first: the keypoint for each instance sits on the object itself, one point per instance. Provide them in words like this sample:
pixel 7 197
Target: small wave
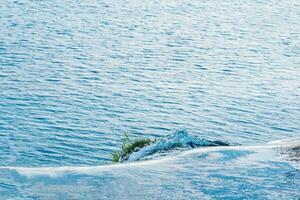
pixel 58 171
pixel 180 139
pixel 96 169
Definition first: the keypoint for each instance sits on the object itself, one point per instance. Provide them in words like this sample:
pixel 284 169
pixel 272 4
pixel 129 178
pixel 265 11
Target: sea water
pixel 76 75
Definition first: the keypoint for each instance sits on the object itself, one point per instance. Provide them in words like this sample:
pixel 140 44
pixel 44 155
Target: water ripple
pixel 75 75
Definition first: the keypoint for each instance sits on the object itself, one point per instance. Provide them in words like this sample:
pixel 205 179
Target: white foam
pixel 180 138
pixel 57 171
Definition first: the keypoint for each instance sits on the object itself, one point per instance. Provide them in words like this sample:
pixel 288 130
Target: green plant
pixel 115 156
pixel 128 146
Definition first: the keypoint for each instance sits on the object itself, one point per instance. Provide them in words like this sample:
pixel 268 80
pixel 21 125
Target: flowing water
pixel 75 75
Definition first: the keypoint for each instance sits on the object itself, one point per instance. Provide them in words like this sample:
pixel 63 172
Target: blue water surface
pixel 75 75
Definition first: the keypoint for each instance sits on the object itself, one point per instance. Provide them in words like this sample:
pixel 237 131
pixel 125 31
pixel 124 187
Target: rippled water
pixel 74 75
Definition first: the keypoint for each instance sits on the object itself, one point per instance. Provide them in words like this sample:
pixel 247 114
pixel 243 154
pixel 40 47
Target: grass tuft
pixel 129 146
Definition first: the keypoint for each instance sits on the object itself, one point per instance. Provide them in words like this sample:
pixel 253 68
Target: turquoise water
pixel 75 75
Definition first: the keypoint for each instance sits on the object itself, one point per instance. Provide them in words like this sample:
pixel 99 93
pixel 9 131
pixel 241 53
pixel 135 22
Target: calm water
pixel 75 75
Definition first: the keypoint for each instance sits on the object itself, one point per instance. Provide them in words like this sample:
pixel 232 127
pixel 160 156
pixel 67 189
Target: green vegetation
pixel 130 146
